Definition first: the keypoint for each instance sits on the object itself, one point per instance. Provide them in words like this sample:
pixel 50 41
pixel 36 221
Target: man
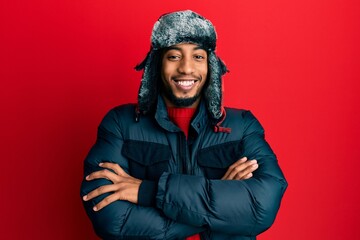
pixel 178 164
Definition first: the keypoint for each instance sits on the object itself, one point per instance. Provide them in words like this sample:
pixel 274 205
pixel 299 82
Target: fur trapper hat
pixel 175 28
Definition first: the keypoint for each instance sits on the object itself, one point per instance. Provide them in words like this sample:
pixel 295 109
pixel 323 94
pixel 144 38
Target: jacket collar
pixel 198 123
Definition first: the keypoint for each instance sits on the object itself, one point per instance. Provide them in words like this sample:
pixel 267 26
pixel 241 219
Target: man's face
pixel 183 73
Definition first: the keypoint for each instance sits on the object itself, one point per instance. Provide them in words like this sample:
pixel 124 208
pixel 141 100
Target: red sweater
pixel 182 118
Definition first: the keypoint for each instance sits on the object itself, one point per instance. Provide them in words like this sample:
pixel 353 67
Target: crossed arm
pixel 125 187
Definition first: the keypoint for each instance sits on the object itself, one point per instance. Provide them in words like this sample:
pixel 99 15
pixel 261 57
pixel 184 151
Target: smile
pixel 185 83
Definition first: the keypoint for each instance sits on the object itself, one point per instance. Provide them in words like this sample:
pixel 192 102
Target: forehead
pixel 185 47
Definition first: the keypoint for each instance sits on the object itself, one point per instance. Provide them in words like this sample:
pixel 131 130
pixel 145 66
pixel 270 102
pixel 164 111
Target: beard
pixel 179 102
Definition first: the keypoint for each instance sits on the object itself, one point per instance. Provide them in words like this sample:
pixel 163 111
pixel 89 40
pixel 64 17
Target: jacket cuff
pixel 147 193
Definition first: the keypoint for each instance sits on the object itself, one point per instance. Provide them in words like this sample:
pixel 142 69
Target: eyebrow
pixel 197 47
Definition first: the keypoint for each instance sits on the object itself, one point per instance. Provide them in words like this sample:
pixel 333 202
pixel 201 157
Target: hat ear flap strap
pixel 222 67
pixel 141 65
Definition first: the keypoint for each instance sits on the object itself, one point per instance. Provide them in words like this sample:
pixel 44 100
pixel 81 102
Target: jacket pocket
pixel 215 160
pixel 146 160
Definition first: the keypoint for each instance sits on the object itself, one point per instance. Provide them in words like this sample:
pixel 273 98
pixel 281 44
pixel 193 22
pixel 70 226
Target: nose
pixel 186 66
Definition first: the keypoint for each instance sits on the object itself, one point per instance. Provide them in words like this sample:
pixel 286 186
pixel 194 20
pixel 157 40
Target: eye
pixel 199 57
pixel 173 57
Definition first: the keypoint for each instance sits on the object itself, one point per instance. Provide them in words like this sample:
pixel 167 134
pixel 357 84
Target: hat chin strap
pixel 218 127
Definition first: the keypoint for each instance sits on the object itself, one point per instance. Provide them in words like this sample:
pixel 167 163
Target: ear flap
pixel 149 88
pixel 213 92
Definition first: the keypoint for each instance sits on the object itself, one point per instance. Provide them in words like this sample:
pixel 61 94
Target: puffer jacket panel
pixel 186 204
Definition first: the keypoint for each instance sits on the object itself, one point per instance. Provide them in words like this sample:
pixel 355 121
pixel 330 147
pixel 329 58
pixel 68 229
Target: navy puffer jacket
pixel 182 177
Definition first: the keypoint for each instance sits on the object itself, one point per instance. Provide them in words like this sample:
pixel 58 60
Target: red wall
pixel 64 64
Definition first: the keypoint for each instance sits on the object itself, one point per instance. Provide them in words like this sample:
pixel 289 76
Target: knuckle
pixel 100 189
pixel 248 163
pixel 109 165
pixel 105 172
pixel 239 168
pixel 239 175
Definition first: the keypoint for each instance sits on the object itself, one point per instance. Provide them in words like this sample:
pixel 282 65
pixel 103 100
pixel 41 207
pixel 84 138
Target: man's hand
pixel 124 187
pixel 241 169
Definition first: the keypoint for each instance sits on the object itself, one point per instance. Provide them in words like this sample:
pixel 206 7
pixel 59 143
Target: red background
pixel 64 64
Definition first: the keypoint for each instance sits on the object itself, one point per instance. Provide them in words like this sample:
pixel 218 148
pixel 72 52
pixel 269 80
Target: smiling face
pixel 183 74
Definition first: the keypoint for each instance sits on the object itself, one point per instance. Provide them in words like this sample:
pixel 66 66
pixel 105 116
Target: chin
pixel 183 101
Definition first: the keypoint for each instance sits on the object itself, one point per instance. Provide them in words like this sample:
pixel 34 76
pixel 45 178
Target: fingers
pixel 127 190
pixel 103 174
pixel 123 187
pixel 115 167
pixel 100 190
pixel 241 169
pixel 246 173
pixel 235 164
pixel 248 176
pixel 106 201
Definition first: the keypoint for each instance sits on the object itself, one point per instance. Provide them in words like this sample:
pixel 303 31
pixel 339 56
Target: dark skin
pixel 184 72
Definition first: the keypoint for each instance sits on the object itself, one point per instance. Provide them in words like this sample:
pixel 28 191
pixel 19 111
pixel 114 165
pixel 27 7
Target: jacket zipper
pixel 183 152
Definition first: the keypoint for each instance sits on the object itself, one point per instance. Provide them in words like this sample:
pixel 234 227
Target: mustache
pixel 187 76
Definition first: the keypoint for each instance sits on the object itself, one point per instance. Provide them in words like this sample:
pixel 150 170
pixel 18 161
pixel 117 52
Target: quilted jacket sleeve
pixel 246 207
pixel 121 219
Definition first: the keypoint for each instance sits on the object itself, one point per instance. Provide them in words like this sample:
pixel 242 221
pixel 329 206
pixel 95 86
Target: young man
pixel 178 164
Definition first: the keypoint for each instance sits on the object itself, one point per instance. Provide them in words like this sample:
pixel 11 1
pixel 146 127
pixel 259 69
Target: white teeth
pixel 185 83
